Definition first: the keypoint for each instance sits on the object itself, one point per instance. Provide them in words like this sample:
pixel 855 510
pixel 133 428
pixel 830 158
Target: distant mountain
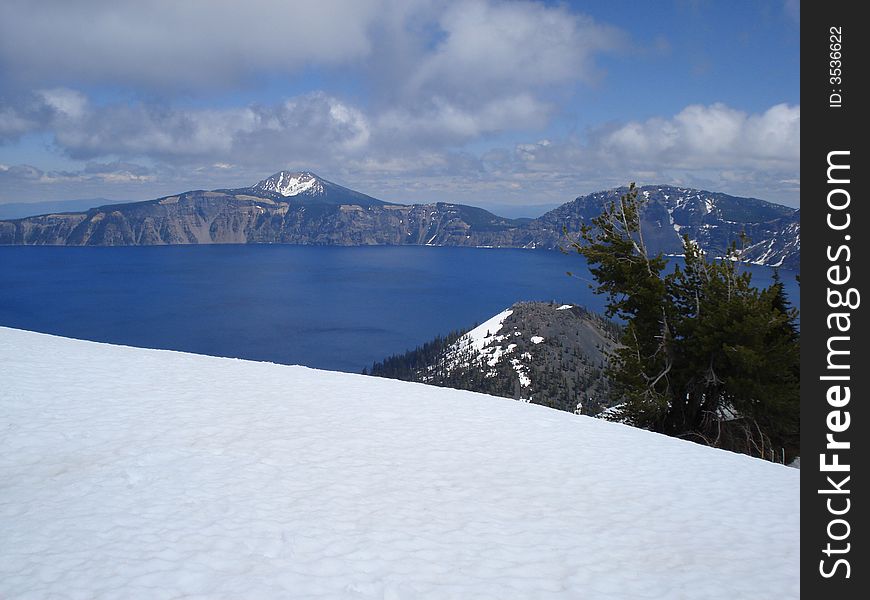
pixel 18 210
pixel 712 219
pixel 302 208
pixel 313 211
pixel 779 245
pixel 544 353
pixel 307 188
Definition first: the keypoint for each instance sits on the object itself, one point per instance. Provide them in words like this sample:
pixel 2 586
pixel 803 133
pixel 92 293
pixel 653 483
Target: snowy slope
pixel 131 473
pixel 537 352
pixel 292 184
pixel 482 342
pixel 478 337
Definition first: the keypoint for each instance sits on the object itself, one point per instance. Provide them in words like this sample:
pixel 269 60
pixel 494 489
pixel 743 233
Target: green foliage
pixel 704 354
pixel 406 366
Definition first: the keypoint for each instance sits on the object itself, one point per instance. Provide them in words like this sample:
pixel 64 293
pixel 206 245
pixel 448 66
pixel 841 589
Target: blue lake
pixel 326 307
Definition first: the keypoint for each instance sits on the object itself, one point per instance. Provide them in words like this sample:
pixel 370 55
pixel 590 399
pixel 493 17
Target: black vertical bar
pixel 834 256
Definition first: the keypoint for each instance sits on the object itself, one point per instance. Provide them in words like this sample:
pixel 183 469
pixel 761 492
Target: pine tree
pixel 704 354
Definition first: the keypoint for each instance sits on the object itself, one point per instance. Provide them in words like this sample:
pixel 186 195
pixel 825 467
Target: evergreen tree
pixel 704 354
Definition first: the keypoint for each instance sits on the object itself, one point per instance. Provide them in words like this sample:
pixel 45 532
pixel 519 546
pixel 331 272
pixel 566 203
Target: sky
pixel 512 106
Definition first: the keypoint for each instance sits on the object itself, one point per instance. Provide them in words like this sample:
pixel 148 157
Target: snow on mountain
pixel 485 342
pixel 536 352
pixel 307 188
pixel 480 336
pixel 713 220
pixel 278 210
pixel 292 184
pixel 145 473
pixel 783 248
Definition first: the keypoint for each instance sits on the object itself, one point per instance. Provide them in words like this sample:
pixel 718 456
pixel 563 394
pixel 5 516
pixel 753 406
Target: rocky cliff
pixel 712 219
pixel 300 208
pixel 237 218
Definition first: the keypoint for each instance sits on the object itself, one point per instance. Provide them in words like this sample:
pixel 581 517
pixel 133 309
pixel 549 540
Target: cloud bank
pixel 436 100
pixel 175 45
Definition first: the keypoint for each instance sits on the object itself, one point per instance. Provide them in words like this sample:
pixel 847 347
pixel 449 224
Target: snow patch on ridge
pixel 481 335
pixel 486 340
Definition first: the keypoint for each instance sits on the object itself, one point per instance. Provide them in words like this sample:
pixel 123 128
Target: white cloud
pixel 440 122
pixel 493 68
pixel 714 136
pixel 311 124
pixel 430 81
pixel 455 48
pixel 64 102
pixel 713 147
pixel 18 173
pixel 104 173
pixel 178 44
pixel 498 47
pixel 442 73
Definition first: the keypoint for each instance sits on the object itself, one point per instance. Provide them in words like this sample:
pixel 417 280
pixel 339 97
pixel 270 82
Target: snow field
pixel 133 473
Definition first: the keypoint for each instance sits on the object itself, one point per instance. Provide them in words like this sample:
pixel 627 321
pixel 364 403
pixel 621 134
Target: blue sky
pixel 505 105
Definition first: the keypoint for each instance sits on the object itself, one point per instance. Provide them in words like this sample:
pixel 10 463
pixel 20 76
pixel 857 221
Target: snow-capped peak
pixel 293 184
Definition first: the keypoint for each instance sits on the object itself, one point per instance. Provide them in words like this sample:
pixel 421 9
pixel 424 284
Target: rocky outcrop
pixel 544 353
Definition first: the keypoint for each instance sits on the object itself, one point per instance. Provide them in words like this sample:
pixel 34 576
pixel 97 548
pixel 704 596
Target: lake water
pixel 326 307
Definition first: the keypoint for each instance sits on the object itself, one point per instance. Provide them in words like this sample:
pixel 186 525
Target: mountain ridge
pixel 544 353
pixel 303 208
